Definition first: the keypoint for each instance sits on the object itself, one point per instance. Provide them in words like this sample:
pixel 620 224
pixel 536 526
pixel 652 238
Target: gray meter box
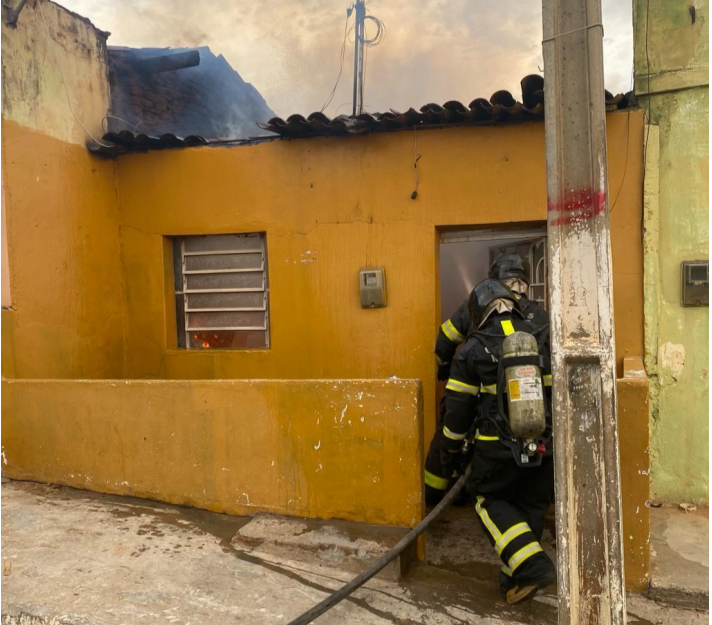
pixel 695 283
pixel 372 285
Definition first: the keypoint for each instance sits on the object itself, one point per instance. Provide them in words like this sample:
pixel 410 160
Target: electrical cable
pixel 343 592
pixel 341 63
pixel 372 42
pixel 416 158
pixel 64 80
pixel 627 142
pixel 647 71
pixel 105 128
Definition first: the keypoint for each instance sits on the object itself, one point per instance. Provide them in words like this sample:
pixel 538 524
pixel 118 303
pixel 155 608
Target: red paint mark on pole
pixel 577 206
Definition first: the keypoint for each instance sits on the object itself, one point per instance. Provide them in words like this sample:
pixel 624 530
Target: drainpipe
pixel 588 505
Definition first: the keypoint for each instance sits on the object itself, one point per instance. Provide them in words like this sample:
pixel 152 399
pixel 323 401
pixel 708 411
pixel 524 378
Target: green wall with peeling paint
pixel 672 85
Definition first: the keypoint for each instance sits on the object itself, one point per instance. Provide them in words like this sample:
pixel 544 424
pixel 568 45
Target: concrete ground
pixel 78 558
pixel 680 557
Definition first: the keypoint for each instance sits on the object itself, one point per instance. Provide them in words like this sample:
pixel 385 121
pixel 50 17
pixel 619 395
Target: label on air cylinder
pixel 525 389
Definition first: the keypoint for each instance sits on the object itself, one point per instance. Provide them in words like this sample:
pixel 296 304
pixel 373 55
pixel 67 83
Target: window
pixel 221 291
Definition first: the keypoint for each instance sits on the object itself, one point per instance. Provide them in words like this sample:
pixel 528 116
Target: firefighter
pixel 509 269
pixel 511 498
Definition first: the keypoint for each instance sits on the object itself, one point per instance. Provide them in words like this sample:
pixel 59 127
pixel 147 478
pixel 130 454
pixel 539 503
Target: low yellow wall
pixel 634 439
pixel 347 449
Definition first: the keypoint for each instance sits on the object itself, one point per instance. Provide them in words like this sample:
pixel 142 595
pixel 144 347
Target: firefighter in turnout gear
pixel 509 269
pixel 512 489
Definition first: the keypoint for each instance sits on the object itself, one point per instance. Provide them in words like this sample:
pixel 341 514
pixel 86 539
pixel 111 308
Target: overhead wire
pixel 64 80
pixel 627 143
pixel 341 63
pixel 374 41
pixel 647 71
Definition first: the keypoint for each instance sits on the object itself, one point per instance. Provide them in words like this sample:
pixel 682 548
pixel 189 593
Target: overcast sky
pixel 434 50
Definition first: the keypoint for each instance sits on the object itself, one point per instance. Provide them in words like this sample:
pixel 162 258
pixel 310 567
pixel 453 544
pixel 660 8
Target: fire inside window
pixel 221 291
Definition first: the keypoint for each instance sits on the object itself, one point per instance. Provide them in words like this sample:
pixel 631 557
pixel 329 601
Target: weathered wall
pixel 633 440
pixel 8 345
pixel 6 294
pixel 674 45
pixel 33 93
pixel 59 202
pixel 331 206
pixel 329 449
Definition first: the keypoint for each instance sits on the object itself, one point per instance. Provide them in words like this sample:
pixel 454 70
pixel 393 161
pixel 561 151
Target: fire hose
pixel 343 592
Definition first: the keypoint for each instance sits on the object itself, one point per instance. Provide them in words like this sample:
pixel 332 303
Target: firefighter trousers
pixel 511 503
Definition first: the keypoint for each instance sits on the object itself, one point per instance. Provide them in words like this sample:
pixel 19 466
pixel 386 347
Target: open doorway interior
pixel 466 256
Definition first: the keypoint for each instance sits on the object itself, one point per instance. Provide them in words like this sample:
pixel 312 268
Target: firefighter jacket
pixel 471 408
pixel 456 329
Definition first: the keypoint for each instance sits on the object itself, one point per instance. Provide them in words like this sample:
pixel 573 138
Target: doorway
pixel 466 256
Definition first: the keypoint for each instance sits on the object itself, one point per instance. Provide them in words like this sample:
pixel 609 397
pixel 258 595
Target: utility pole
pixel 588 508
pixel 359 37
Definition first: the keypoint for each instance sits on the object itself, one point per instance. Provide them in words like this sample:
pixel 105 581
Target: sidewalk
pixel 680 556
pixel 77 558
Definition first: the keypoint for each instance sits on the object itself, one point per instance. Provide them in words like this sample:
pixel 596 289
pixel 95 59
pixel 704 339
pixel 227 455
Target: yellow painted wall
pixel 64 258
pixel 332 205
pixel 59 202
pixel 8 345
pixel 329 449
pixel 634 441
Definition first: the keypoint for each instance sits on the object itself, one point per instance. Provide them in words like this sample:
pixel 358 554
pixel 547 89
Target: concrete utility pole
pixel 588 508
pixel 359 37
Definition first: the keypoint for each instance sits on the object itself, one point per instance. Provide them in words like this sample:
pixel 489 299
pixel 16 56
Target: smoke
pixel 434 51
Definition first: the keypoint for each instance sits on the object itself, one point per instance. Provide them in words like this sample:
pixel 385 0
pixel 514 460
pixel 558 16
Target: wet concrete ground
pixel 78 558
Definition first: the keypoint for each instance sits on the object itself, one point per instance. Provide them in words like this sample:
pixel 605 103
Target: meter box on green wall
pixel 695 283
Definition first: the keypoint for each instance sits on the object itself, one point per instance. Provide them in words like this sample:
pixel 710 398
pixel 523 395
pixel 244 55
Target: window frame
pixel 183 292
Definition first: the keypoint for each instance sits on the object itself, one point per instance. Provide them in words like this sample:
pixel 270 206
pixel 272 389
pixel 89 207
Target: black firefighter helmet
pixel 509 266
pixel 483 295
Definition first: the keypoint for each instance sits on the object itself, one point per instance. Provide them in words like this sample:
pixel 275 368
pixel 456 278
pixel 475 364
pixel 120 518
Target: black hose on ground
pixel 385 559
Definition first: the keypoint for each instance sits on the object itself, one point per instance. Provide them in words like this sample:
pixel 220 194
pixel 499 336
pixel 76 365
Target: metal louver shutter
pixel 224 292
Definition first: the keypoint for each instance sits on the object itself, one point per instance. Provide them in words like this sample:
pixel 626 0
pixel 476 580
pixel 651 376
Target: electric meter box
pixel 695 283
pixel 372 285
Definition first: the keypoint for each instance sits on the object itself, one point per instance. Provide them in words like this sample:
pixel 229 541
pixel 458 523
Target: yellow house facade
pixel 332 417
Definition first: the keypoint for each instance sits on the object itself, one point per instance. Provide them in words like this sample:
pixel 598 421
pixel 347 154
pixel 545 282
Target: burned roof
pixel 181 92
pixel 500 108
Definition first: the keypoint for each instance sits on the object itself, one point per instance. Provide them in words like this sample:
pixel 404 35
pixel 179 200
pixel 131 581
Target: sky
pixel 433 51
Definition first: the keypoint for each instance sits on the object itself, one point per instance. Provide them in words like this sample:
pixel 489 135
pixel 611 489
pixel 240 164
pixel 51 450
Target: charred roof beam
pixel 168 62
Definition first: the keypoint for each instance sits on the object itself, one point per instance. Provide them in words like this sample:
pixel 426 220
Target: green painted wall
pixel 675 94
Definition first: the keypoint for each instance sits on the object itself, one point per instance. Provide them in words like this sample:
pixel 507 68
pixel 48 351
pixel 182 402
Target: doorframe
pixel 465 233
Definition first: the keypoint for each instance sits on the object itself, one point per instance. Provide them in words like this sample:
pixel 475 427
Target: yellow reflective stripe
pixel 439 483
pixel 482 437
pixel 547 380
pixel 510 535
pixel 491 527
pixel 439 360
pixel 451 332
pixel 491 389
pixel 506 570
pixel 523 554
pixel 461 387
pixel 453 436
pixel 507 326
